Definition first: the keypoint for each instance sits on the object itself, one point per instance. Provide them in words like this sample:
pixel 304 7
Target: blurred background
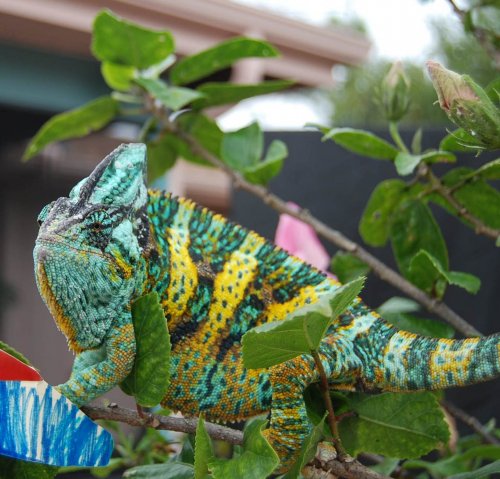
pixel 337 52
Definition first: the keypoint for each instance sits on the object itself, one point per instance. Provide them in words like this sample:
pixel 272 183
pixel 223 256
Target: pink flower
pixel 299 239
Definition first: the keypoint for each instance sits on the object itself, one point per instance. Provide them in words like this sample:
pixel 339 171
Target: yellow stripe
pixel 183 276
pixel 277 311
pixel 229 287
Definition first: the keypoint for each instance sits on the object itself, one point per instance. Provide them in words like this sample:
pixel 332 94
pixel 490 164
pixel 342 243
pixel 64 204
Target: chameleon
pixel 113 240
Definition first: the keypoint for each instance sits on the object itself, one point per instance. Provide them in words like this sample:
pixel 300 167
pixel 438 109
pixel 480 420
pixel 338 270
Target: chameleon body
pixel 113 240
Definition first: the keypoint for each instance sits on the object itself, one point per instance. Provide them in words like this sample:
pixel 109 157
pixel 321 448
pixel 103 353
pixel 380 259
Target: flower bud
pixel 395 97
pixel 467 105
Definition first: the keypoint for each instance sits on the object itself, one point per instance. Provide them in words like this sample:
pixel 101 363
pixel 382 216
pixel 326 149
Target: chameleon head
pixel 88 253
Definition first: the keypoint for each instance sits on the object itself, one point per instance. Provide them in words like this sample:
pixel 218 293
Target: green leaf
pixel 322 128
pixel 493 88
pixel 489 171
pixel 203 451
pixel 261 173
pixel 438 156
pixel 307 451
pixel 387 466
pixel 279 341
pixel 398 304
pixel 362 142
pixel 73 124
pixel 481 200
pixel 375 223
pixel 222 93
pixel 118 77
pixel 242 149
pixel 118 41
pixel 394 425
pixel 13 352
pixel 13 468
pixel 348 267
pixel 413 229
pixel 301 333
pixel 416 142
pixel 484 471
pixel 161 157
pixel 423 262
pixel 149 378
pixel 405 163
pixel 459 140
pixel 187 453
pixel 168 470
pixel 172 97
pixel 458 463
pixel 204 130
pixel 422 326
pixel 256 461
pixel 220 56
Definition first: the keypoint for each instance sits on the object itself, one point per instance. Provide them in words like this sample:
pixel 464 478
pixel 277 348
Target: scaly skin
pixel 112 241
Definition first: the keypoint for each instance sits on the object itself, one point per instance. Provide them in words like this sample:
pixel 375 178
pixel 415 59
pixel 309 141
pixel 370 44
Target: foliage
pixel 148 381
pixel 138 65
pixel 356 98
pixel 26 470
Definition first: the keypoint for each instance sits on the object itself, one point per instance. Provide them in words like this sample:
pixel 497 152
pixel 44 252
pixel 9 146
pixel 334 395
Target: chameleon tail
pixel 401 361
pixel 363 352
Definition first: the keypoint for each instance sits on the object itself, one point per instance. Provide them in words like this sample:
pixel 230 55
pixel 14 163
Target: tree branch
pixel 336 237
pixel 447 194
pixel 340 470
pixel 470 421
pixel 347 470
pixel 170 423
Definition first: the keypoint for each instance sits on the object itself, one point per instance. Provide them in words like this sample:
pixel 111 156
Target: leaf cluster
pixel 139 65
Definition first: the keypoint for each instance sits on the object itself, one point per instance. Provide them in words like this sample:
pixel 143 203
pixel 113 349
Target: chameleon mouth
pixel 44 245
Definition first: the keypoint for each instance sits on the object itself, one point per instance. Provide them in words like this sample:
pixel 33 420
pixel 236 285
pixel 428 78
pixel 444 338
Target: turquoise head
pixel 89 250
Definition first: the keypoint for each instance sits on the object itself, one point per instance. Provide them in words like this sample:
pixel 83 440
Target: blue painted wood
pixel 38 424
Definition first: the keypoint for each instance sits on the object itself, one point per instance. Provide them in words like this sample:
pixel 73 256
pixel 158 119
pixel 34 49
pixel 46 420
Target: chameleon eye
pixel 98 225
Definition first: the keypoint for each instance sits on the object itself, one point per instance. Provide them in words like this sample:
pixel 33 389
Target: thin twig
pixel 442 190
pixel 336 237
pixel 325 392
pixel 470 421
pixel 351 470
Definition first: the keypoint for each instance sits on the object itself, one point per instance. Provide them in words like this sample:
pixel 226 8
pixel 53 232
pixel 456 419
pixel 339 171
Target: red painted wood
pixel 11 369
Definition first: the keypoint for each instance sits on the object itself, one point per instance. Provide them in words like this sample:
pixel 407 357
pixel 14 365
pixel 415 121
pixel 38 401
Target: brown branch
pixel 333 236
pixel 179 424
pixel 340 470
pixel 470 421
pixel 438 187
pixel 347 470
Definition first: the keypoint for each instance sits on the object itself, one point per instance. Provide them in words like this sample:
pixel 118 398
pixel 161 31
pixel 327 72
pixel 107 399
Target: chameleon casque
pixel 113 240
